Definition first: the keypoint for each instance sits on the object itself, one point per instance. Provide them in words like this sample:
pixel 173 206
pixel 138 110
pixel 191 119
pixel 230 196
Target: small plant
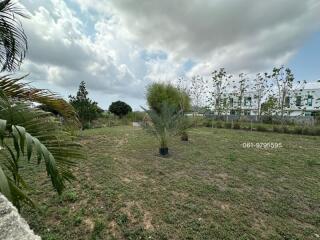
pixel 208 123
pixel 70 196
pixel 297 130
pixel 183 124
pixel 306 131
pixel 163 125
pixel 232 157
pixel 285 129
pixel 218 124
pixel 261 128
pixel 276 129
pixel 236 125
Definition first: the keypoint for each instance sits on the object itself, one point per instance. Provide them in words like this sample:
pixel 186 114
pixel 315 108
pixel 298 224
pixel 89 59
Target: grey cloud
pixel 203 29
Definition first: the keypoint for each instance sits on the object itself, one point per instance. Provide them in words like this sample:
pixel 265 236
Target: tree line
pixel 223 92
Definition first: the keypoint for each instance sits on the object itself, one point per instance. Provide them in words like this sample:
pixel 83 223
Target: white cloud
pixel 103 42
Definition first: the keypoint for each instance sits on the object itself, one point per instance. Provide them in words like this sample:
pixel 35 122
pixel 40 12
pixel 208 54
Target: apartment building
pixel 299 102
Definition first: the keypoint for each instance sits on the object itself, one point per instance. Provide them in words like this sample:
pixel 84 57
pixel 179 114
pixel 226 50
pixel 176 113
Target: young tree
pixel 269 106
pixel 87 109
pixel 261 88
pixel 218 88
pixel 283 79
pixel 198 92
pixel 241 88
pixel 120 108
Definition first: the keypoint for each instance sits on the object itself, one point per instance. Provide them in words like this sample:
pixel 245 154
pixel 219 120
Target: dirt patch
pixel 114 230
pixel 147 218
pixel 126 180
pixel 131 210
pixel 225 206
pixel 89 224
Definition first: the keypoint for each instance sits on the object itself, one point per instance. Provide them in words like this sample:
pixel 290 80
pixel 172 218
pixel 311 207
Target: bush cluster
pixel 303 130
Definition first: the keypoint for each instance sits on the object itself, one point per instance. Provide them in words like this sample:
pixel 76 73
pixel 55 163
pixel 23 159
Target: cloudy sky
pixel 119 46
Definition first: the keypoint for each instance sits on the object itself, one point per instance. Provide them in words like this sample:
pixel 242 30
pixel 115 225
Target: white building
pixel 304 102
pixel 300 102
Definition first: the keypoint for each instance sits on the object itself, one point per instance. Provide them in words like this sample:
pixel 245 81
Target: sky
pixel 119 47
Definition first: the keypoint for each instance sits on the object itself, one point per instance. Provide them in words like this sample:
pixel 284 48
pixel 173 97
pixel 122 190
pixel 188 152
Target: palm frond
pixel 14 88
pixel 163 123
pixel 13 40
pixel 34 132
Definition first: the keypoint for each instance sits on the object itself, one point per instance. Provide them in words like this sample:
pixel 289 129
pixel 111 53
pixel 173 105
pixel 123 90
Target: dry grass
pixel 209 188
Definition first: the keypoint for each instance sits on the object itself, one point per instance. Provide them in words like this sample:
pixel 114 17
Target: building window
pixel 232 112
pixel 231 102
pixel 247 101
pixel 298 101
pixel 247 112
pixel 309 100
pixel 287 102
pixel 225 102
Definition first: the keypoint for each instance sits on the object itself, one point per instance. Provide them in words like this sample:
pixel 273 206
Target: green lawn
pixel 209 188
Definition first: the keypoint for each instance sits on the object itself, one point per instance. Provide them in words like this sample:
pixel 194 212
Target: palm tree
pixel 13 41
pixel 27 133
pixel 164 123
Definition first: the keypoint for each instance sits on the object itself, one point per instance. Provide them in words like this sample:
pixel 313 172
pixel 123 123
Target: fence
pixel 299 120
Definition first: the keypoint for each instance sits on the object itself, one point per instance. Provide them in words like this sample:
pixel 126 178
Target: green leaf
pixel 3 125
pixel 22 134
pixel 16 137
pixel 29 140
pixel 38 149
pixel 4 185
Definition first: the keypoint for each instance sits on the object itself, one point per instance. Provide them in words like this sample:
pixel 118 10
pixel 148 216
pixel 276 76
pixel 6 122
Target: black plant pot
pixel 164 151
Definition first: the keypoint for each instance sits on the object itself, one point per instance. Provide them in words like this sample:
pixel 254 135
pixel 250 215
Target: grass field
pixel 209 188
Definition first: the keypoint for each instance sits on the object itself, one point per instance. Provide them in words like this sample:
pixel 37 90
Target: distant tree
pixel 241 88
pixel 262 87
pixel 159 94
pixel 198 92
pixel 87 109
pixel 120 108
pixel 269 106
pixel 284 81
pixel 219 84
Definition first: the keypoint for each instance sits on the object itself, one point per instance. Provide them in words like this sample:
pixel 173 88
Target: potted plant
pixel 183 125
pixel 162 124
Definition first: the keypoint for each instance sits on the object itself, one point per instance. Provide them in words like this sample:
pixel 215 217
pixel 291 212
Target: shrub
pixel 208 122
pixel 159 93
pixel 136 116
pixel 285 129
pixel 307 131
pixel 267 119
pixel 297 130
pixel 276 129
pixel 317 131
pixel 236 125
pixel 120 108
pixel 261 128
pixel 218 124
pixel 227 125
